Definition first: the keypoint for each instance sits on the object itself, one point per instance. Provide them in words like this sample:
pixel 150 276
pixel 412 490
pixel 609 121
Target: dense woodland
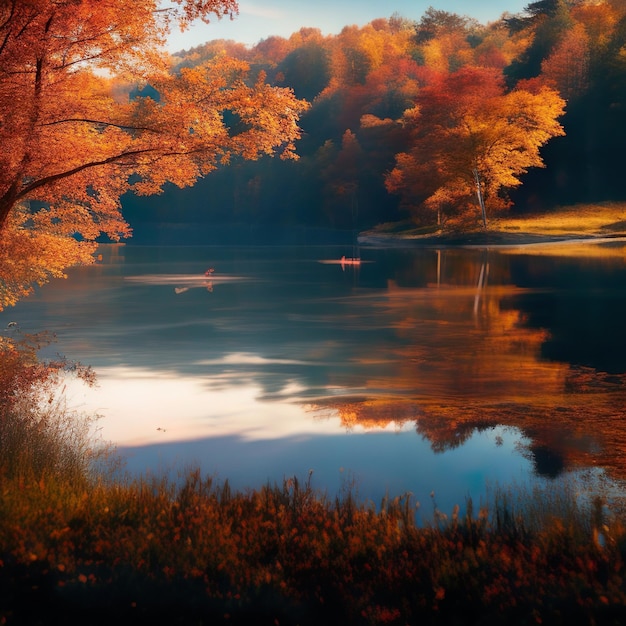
pixel 444 122
pixel 370 149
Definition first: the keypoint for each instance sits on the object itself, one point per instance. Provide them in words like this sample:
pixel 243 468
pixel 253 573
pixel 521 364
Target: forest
pixel 443 123
pixel 407 119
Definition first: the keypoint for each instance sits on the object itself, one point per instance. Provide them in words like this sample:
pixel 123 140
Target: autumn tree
pixel 445 39
pixel 273 49
pixel 342 181
pixel 210 50
pixel 546 21
pixel 471 140
pixel 356 52
pixel 72 144
pixel 306 69
pixel 435 23
pixel 567 67
pixel 497 47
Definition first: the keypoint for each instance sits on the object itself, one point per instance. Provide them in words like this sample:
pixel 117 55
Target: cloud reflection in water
pixel 230 431
pixel 442 346
pixel 135 402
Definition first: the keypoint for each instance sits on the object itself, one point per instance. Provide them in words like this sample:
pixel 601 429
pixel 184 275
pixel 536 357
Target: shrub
pixel 39 435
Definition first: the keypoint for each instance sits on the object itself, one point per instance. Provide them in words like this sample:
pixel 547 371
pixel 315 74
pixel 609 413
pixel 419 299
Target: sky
pixel 259 19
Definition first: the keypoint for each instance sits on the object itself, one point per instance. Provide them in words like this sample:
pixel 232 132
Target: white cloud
pixel 266 12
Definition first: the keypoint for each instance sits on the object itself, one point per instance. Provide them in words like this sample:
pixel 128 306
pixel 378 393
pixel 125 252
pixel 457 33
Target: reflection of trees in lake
pixel 469 359
pixel 451 341
pixel 582 302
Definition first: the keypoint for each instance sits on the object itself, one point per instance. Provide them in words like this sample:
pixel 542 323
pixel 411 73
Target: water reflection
pixel 449 344
pixel 227 430
pixel 472 358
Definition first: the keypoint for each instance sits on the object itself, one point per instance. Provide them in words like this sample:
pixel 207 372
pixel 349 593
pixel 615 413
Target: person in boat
pixel 209 274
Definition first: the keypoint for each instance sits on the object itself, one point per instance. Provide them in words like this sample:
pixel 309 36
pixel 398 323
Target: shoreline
pixel 488 239
pixel 581 223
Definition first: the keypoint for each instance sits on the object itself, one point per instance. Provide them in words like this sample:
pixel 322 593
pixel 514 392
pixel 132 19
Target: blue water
pixel 416 371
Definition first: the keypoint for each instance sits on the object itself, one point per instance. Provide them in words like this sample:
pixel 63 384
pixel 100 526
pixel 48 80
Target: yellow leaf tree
pixel 470 141
pixel 72 141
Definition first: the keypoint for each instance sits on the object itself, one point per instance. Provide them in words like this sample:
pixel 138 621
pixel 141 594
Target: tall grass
pixel 77 547
pixel 40 437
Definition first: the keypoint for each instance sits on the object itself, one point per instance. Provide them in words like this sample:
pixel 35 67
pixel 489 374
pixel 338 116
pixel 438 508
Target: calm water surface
pixel 421 370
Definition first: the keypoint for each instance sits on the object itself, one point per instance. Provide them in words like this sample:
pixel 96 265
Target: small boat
pixel 350 261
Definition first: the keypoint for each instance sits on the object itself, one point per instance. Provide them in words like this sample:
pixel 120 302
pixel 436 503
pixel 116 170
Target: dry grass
pixel 40 436
pixel 591 222
pixel 198 553
pixel 578 220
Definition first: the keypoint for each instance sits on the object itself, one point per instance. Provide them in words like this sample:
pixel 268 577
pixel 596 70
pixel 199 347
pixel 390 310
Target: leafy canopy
pixel 72 139
pixel 467 131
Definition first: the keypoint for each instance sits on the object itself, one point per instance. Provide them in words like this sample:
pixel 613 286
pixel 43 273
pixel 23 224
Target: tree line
pixel 438 120
pixel 444 120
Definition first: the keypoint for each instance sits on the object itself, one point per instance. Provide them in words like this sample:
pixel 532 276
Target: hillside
pixel 365 87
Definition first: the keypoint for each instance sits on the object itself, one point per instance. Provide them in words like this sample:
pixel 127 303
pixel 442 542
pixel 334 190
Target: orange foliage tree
pixel 73 142
pixel 471 140
pixel 567 67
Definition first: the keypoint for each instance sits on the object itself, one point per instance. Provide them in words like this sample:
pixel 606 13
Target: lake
pixel 419 370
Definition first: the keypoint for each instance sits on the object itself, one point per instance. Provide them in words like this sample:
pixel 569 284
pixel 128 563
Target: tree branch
pixel 46 180
pixel 70 120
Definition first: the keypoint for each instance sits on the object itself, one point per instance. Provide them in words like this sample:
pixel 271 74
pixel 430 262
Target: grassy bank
pixel 149 552
pixel 569 222
pixel 80 547
pixel 590 220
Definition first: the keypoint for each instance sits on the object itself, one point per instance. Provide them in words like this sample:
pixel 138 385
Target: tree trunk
pixel 4 213
pixel 481 200
pixel 7 202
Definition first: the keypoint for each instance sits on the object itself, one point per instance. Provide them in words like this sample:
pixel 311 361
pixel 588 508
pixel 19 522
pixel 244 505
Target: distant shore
pixel 584 223
pixel 487 238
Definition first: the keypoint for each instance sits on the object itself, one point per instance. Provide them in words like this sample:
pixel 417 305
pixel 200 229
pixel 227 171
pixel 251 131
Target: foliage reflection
pixel 467 357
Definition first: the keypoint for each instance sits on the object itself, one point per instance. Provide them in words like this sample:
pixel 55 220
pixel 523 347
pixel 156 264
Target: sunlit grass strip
pixel 607 219
pixel 580 219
